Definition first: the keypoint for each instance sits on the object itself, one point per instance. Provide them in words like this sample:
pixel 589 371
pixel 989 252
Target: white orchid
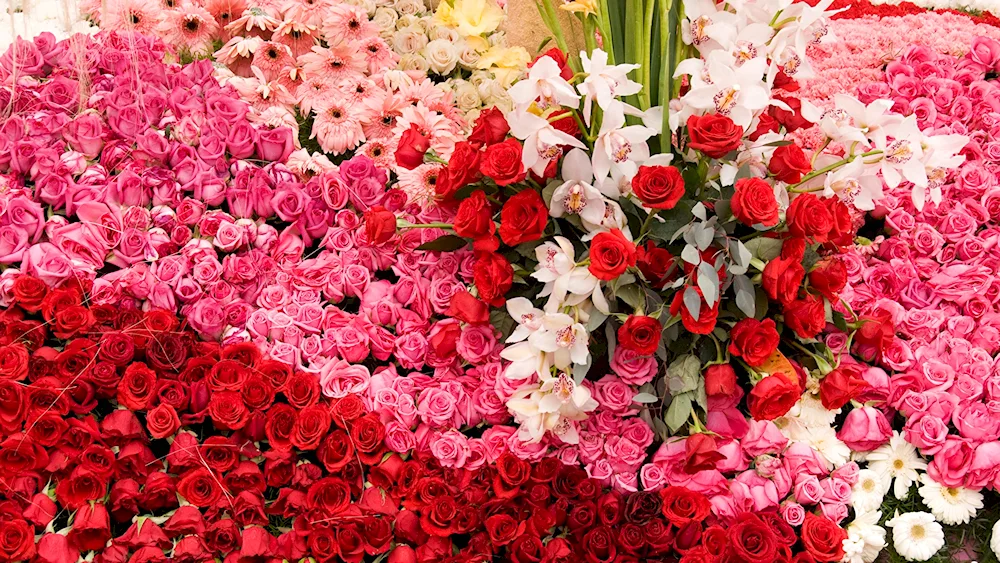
pixel 525 360
pixel 941 153
pixel 545 84
pixel 604 82
pixel 835 123
pixel 565 338
pixel 614 218
pixel 872 119
pixel 739 92
pixel 554 406
pixel 902 157
pixel 528 318
pixel 577 195
pixel 542 141
pixel 618 146
pixel 855 184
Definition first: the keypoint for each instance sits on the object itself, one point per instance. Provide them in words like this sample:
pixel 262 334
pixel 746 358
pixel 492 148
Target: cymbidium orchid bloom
pixel 577 195
pixel 604 82
pixel 871 119
pixel 565 338
pixel 554 406
pixel 529 319
pixel 542 142
pixel 902 155
pixel 544 86
pixel 619 147
pixel 707 24
pixel 738 92
pixel 855 184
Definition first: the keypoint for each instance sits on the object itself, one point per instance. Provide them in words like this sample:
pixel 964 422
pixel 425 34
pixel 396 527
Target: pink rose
pixel 865 429
pixel 398 438
pixel 339 379
pixel 952 462
pixel 437 407
pixel 834 511
pixel 985 467
pixel 763 437
pixel 985 51
pixel 477 343
pixel 47 263
pixel 653 477
pixel 86 134
pixel 410 350
pixel 793 513
pixel 275 144
pixel 977 423
pixel 451 448
pixel 800 458
pixel 614 394
pixel 632 368
pixel 808 490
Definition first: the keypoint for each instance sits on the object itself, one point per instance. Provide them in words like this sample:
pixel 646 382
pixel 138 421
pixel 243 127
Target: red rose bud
pixel 841 386
pixel 412 146
pixel 380 225
pixel 705 323
pixel 829 277
pixel 701 454
pixel 754 203
pixel 474 219
pixel 610 255
pixel 493 276
pixel 754 340
pixel 714 135
pixel 788 163
pixel 640 334
pixel 502 162
pixel 874 335
pixel 765 124
pixel 806 317
pixel 658 187
pixel 720 380
pixel 523 218
pixel 491 128
pixel 466 308
pixel 782 278
pixel 772 397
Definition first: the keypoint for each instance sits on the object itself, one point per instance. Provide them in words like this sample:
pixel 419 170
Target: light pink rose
pixel 339 379
pixel 653 477
pixel 952 462
pixel 763 437
pixel 793 513
pixel 398 438
pixel 632 368
pixel 47 263
pixel 437 407
pixel 865 429
pixel 451 448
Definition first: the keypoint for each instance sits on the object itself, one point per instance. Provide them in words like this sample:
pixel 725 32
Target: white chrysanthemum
pixel 824 440
pixel 865 538
pixel 917 536
pixel 869 491
pixel 899 460
pixel 950 505
pixel 995 539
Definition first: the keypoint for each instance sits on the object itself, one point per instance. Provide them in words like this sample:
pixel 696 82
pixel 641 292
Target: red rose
pixel 754 340
pixel 751 539
pixel 227 375
pixel 228 410
pixel 41 510
pixel 792 120
pixel 493 276
pixel 526 549
pixel 523 218
pixel 599 545
pixel 655 264
pixel 842 231
pixel 512 472
pixel 14 362
pixel 462 170
pixel 705 323
pixel 809 217
pixel 491 128
pixel 503 529
pixel 765 124
pixel 200 487
pixel 841 386
pixel 336 451
pixel 412 146
pixel 713 134
pixel 640 334
pixel 610 255
pixel 753 203
pixel 403 554
pixel 658 187
pixel 162 421
pixel 311 424
pixel 772 397
pixel 701 453
pixel 302 390
pixel 788 164
pixel 71 320
pixel 474 219
pixel 681 506
pixel 17 540
pixel 29 292
pixel 720 380
pixel 368 434
pixel 91 527
pixel 829 277
pixel 330 495
pixel 466 308
pixel 502 162
pixel 257 393
pixel 444 339
pixel 439 518
pixel 380 225
pixel 874 335
pixel 782 279
pixel 278 426
pixel 806 317
pixel 822 538
pixel 79 488
pixel 137 387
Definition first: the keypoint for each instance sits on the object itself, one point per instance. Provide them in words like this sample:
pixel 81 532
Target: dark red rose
pixel 598 545
pixel 137 388
pixel 493 276
pixel 257 392
pixel 714 135
pixel 714 539
pixel 412 146
pixel 462 170
pixel 380 225
pixel 167 352
pixel 720 380
pixel 17 540
pixel 610 255
pixel 223 536
pixel 368 434
pixel 162 421
pixel 79 488
pixel 474 219
pixel 632 538
pixel 658 187
pixel 705 323
pixel 502 162
pixel 701 453
pixel 754 203
pixel 491 128
pixel 523 218
pixel 782 279
pixel 643 506
pixel 788 164
pixel 806 317
pixel 772 397
pixel 640 334
pixel 841 386
pixel 829 277
pixel 331 495
pixel 302 390
pixel 228 411
pixel 503 529
pixel 278 426
pixel 659 536
pixel 655 264
pixel 809 217
pixel 822 538
pixel 512 472
pixel 466 308
pixel 682 506
pixel 751 539
pixel 526 549
pixel 754 340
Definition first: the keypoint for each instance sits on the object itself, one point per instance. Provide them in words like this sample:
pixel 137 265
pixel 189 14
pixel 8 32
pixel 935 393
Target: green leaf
pixel 764 248
pixel 632 295
pixel 810 259
pixel 778 143
pixel 723 210
pixel 445 243
pixel 466 191
pixel 679 411
pixel 673 220
pixel 840 322
pixel 645 398
pixel 760 303
pixel 502 320
pixel 683 374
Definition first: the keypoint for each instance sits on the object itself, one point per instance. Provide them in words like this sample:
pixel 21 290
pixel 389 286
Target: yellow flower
pixel 476 17
pixel 585 7
pixel 445 14
pixel 506 63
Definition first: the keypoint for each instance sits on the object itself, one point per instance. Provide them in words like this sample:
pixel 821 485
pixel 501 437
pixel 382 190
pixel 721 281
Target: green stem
pixel 606 33
pixel 645 71
pixel 646 224
pixel 551 18
pixel 830 168
pixel 666 70
pixel 403 224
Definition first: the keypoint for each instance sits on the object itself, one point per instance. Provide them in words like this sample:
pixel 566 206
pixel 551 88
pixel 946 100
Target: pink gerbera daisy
pixel 272 58
pixel 336 129
pixel 308 12
pixel 418 184
pixel 237 54
pixel 314 92
pixel 224 12
pixel 379 115
pixel 337 62
pixel 189 28
pixel 380 152
pixel 140 16
pixel 299 37
pixel 348 23
pixel 356 89
pixel 379 55
pixel 256 20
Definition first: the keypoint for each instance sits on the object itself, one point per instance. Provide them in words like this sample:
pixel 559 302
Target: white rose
pixel 385 19
pixel 409 7
pixel 406 20
pixel 441 55
pixel 413 61
pixel 466 96
pixel 468 56
pixel 444 32
pixel 408 41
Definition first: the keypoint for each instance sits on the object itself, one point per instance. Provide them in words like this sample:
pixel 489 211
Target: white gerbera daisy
pixel 995 539
pixel 869 491
pixel 950 505
pixel 865 538
pixel 916 535
pixel 824 440
pixel 899 460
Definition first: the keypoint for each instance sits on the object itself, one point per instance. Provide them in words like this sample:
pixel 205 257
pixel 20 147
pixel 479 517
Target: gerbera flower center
pixel 135 18
pixel 336 113
pixel 376 152
pixel 191 25
pixel 918 532
pixel 272 53
pixel 868 486
pixel 898 464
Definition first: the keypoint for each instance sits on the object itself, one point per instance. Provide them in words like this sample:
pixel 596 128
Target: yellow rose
pixel 476 17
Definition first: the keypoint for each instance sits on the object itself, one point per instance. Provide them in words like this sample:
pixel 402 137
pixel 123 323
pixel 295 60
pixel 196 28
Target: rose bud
pixel 412 146
pixel 380 225
pixel 720 380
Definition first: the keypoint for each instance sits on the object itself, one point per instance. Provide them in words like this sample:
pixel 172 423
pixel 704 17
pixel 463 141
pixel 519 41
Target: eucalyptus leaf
pixel 708 282
pixel 444 243
pixel 810 259
pixel 595 321
pixel 645 398
pixel 745 298
pixel 699 211
pixel 580 370
pixel 692 301
pixel 661 429
pixel 690 255
pixel 703 236
pixel 632 295
pixel 764 248
pixel 679 412
pixel 683 374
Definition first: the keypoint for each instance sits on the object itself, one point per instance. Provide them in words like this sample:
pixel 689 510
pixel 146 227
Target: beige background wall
pixel 524 26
